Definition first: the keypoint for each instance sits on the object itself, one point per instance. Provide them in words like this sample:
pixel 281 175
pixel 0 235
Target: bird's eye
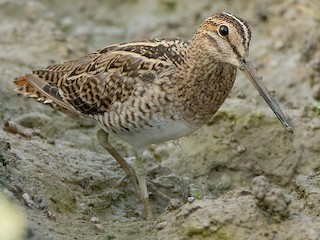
pixel 223 30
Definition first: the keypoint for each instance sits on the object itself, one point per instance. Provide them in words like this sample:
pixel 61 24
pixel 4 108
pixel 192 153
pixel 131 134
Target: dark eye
pixel 223 30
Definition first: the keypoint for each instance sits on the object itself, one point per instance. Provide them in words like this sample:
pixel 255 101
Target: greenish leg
pixel 137 175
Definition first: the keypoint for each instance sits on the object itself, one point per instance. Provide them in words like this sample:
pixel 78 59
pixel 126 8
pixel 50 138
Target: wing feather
pixel 92 84
pixel 50 92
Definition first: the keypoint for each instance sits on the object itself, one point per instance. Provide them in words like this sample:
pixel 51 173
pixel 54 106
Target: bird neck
pixel 203 84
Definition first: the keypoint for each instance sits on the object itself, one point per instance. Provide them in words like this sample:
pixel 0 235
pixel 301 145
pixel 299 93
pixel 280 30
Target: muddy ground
pixel 60 177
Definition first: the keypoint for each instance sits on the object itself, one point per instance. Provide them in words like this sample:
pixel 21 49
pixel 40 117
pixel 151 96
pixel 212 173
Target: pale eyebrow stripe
pixel 244 27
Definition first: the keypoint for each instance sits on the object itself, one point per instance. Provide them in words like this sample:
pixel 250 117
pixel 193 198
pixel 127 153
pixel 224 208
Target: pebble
pixel 277 201
pixel 310 204
pixel 161 225
pixel 260 187
pixel 99 227
pixel 27 199
pixel 274 200
pixel 95 220
pixel 241 148
pixel 174 204
pixel 51 216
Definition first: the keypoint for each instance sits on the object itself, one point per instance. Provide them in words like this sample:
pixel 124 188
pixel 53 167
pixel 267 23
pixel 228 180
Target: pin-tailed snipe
pixel 151 91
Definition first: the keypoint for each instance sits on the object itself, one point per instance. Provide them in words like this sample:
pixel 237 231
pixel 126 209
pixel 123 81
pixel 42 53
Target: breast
pixel 202 91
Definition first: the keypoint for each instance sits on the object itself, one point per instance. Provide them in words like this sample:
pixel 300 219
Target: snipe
pixel 151 91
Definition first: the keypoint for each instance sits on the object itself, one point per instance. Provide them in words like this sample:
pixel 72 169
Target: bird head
pixel 225 38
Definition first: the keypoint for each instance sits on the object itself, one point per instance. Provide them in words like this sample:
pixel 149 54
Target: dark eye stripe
pixel 235 50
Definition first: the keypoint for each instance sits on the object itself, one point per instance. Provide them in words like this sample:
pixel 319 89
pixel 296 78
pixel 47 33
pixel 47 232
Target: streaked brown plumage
pixel 152 91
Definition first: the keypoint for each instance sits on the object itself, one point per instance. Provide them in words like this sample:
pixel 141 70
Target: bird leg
pixel 137 175
pixel 103 138
pixel 141 176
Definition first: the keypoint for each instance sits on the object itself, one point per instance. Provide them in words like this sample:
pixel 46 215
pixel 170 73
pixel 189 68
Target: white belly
pixel 160 130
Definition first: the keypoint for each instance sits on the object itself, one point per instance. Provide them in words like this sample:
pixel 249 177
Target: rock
pixel 234 215
pixel 95 220
pixel 241 148
pixel 27 199
pixel 274 200
pixel 161 225
pixel 260 187
pixel 99 227
pixel 51 215
pixel 307 193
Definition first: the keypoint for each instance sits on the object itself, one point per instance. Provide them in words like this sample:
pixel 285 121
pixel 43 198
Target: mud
pixel 60 177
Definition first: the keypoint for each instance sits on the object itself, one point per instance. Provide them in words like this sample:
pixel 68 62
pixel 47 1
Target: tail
pixel 31 85
pixel 25 88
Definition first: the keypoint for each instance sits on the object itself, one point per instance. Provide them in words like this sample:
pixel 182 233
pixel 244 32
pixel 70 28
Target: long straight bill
pixel 248 70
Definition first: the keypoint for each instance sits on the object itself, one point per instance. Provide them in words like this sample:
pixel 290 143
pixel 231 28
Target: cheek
pixel 241 51
pixel 239 47
pixel 224 49
pixel 234 62
pixel 211 41
pixel 213 46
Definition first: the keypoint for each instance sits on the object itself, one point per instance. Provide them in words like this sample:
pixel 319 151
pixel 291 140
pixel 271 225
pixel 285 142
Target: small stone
pixel 174 204
pixel 277 202
pixel 146 156
pixel 312 175
pixel 241 148
pixel 95 220
pixel 310 205
pixel 191 199
pixel 260 187
pixel 273 200
pixel 51 216
pixel 161 225
pixel 27 199
pixel 241 96
pixel 99 227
